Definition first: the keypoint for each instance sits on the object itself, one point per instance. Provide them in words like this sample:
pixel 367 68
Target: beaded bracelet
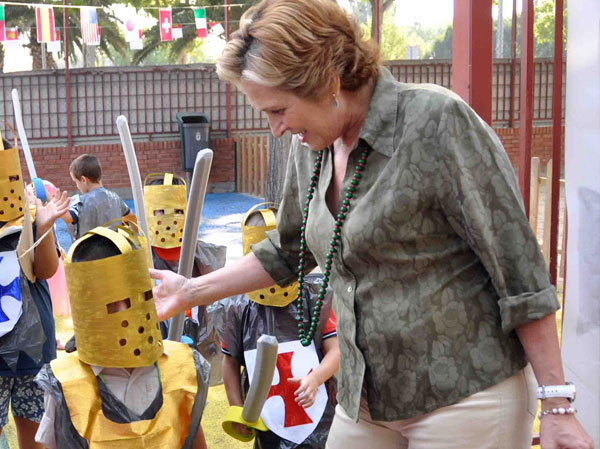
pixel 558 411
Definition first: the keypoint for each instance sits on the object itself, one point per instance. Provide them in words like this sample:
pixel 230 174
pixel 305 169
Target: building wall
pixel 541 145
pixel 52 163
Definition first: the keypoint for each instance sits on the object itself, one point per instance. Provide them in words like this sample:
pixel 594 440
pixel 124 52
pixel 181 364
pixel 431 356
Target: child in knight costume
pixel 124 387
pixel 165 200
pixel 303 374
pixel 27 334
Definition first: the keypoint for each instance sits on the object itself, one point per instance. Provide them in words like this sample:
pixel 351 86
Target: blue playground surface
pixel 220 222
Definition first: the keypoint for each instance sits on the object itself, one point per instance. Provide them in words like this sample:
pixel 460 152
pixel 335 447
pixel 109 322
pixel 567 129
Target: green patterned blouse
pixel 437 263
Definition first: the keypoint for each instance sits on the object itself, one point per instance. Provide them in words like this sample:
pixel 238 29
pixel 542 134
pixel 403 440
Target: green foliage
pixel 543 27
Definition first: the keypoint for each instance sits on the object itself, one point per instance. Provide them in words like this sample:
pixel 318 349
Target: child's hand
pixel 306 394
pixel 169 294
pixel 46 214
pixel 241 429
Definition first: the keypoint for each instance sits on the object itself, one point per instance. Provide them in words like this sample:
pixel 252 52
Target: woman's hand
pixel 306 394
pixel 563 432
pixel 170 295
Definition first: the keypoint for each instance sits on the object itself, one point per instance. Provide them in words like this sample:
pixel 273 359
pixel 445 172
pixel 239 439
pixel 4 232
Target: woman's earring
pixel 335 103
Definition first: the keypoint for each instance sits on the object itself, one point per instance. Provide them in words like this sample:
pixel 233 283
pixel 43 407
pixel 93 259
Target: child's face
pixel 118 306
pixel 81 183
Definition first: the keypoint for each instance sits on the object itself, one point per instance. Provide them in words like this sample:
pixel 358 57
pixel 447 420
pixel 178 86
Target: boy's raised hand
pixel 47 214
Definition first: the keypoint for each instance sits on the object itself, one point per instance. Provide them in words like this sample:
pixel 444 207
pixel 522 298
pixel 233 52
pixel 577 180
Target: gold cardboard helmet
pixel 127 336
pixel 166 206
pixel 275 295
pixel 12 189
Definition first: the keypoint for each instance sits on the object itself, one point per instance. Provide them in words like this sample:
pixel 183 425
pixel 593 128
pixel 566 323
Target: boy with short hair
pixel 27 333
pixel 124 387
pixel 304 419
pixel 165 201
pixel 95 205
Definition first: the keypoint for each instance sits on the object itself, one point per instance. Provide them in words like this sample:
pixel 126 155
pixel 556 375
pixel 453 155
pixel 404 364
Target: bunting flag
pixel 217 29
pixel 12 34
pixel 136 43
pixel 165 24
pixel 177 31
pixel 44 16
pixel 90 31
pixel 2 29
pixel 131 25
pixel 54 46
pixel 200 17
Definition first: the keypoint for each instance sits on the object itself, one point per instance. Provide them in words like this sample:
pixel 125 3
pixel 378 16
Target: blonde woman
pixel 407 201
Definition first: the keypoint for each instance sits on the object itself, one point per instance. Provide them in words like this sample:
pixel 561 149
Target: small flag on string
pixel 137 43
pixel 166 25
pixel 44 18
pixel 12 34
pixel 2 30
pixel 200 17
pixel 54 46
pixel 217 29
pixel 177 31
pixel 90 31
pixel 131 25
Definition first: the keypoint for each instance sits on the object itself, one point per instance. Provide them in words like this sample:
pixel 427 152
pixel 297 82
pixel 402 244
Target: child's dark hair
pixel 256 218
pixel 94 248
pixel 7 145
pixel 86 165
pixel 160 180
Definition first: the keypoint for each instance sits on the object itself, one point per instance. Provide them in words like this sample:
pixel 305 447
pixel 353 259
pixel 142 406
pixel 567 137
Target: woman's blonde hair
pixel 298 46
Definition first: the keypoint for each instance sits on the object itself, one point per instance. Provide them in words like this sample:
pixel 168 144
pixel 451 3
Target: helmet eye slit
pixel 118 306
pixel 13 178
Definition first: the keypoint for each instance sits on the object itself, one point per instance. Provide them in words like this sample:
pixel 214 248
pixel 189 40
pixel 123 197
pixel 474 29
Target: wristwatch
pixel 556 391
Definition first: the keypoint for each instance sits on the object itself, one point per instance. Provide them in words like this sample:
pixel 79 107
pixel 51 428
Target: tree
pixel 543 28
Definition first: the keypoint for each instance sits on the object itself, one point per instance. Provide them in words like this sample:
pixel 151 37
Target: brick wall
pixel 52 163
pixel 541 145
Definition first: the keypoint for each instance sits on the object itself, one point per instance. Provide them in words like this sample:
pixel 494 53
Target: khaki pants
pixel 500 417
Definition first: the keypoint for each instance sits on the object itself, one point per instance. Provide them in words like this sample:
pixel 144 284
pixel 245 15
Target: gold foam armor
pixel 166 231
pixel 125 339
pixel 169 427
pixel 275 295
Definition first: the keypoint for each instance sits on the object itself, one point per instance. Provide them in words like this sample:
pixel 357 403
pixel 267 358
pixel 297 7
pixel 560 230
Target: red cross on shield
pixel 281 414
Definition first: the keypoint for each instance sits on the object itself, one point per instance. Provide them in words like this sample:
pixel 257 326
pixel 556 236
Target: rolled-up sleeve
pixel 278 253
pixel 481 200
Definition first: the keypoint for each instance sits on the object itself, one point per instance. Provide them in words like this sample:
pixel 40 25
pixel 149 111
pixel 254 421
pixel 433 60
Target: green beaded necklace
pixel 305 338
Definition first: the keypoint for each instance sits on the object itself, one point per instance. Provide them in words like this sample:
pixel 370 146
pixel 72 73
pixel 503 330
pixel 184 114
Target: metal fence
pixel 151 96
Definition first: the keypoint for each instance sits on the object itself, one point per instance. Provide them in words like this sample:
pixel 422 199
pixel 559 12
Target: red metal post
pixel 526 101
pixel 513 65
pixel 67 76
pixel 377 20
pixel 472 55
pixel 228 86
pixel 556 137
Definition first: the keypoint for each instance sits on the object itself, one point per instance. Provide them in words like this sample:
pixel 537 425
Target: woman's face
pixel 314 121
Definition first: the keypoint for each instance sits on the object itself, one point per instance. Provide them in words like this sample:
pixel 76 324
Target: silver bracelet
pixel 558 411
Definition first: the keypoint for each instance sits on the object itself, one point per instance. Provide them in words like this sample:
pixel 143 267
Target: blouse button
pixel 350 289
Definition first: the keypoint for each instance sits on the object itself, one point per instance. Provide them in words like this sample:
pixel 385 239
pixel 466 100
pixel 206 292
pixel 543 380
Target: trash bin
pixel 195 136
